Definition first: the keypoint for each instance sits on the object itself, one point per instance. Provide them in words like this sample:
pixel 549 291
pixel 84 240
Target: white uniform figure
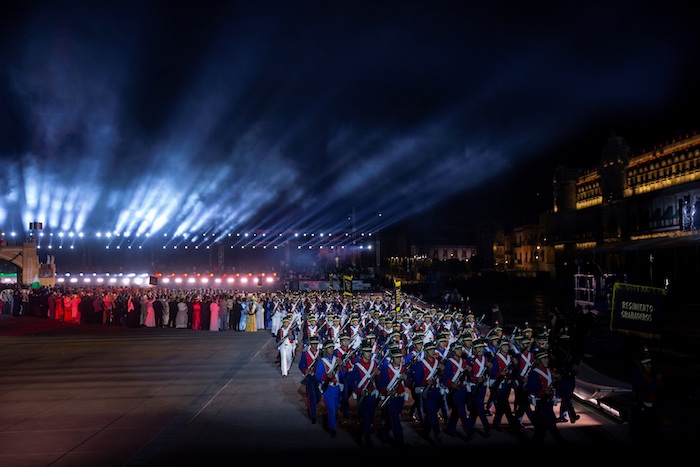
pixel 286 341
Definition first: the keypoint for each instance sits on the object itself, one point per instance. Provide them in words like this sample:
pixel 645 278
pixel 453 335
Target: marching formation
pixel 377 363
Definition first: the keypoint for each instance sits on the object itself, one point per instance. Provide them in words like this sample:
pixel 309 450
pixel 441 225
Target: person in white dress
pixel 214 308
pixel 259 313
pixel 181 316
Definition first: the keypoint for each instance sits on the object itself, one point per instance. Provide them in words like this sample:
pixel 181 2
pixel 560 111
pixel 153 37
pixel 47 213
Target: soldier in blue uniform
pixel 427 380
pixel 525 360
pixel 347 356
pixel 540 388
pixel 501 373
pixel 393 394
pixel 364 382
pixel 454 380
pixel 480 379
pixel 415 354
pixel 565 364
pixel 307 366
pixel 327 375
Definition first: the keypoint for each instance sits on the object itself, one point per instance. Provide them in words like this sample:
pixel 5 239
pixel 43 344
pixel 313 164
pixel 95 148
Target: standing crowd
pixel 200 309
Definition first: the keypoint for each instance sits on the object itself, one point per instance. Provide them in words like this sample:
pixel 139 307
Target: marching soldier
pixel 491 349
pixel 382 329
pixel 406 326
pixel 427 379
pixel 307 366
pixel 415 355
pixel 454 380
pixel 355 331
pixel 393 392
pixel 310 329
pixel 468 345
pixel 446 326
pixel 428 328
pixel 418 323
pixel 565 364
pixel 540 388
pixel 458 324
pixel 329 384
pixel 363 377
pixel 494 342
pixel 471 326
pixel 480 370
pixel 525 361
pixel 347 355
pixel 442 346
pixel 442 352
pixel 501 374
pixel 333 330
pixel 286 341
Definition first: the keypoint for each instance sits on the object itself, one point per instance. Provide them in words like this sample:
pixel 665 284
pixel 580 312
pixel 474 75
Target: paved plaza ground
pixel 97 395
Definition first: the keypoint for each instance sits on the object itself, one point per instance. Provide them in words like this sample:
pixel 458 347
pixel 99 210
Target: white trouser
pixel 286 356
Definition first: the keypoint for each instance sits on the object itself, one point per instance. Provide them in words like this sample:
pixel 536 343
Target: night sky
pixel 176 118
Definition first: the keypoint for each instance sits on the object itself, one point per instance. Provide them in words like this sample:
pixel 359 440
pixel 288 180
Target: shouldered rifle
pixel 342 328
pixel 376 360
pixel 330 374
pixel 435 375
pixel 482 373
pixel 462 377
pixel 395 382
pixel 369 382
pixel 392 385
pixel 348 355
pixel 292 328
pixel 312 368
pixel 381 354
pixel 505 373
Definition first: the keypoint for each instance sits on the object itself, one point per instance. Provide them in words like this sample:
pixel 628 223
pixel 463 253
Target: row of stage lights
pixel 172 280
pixel 243 247
pixel 71 234
pixel 367 237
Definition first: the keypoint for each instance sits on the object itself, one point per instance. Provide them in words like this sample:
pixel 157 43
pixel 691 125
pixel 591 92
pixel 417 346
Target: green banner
pixel 637 309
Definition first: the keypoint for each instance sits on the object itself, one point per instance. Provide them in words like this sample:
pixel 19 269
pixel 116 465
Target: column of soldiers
pixel 380 363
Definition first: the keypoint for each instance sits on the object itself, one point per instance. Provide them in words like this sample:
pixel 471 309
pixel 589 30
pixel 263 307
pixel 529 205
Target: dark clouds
pixel 229 116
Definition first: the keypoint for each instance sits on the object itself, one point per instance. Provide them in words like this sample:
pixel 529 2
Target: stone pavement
pixel 94 395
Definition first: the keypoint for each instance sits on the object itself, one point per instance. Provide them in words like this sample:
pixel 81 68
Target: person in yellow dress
pixel 251 324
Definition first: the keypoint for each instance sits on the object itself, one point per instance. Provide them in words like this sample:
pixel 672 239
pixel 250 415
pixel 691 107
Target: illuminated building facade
pixel 634 214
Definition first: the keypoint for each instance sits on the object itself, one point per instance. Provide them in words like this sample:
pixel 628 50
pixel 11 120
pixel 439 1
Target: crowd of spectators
pixel 194 308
